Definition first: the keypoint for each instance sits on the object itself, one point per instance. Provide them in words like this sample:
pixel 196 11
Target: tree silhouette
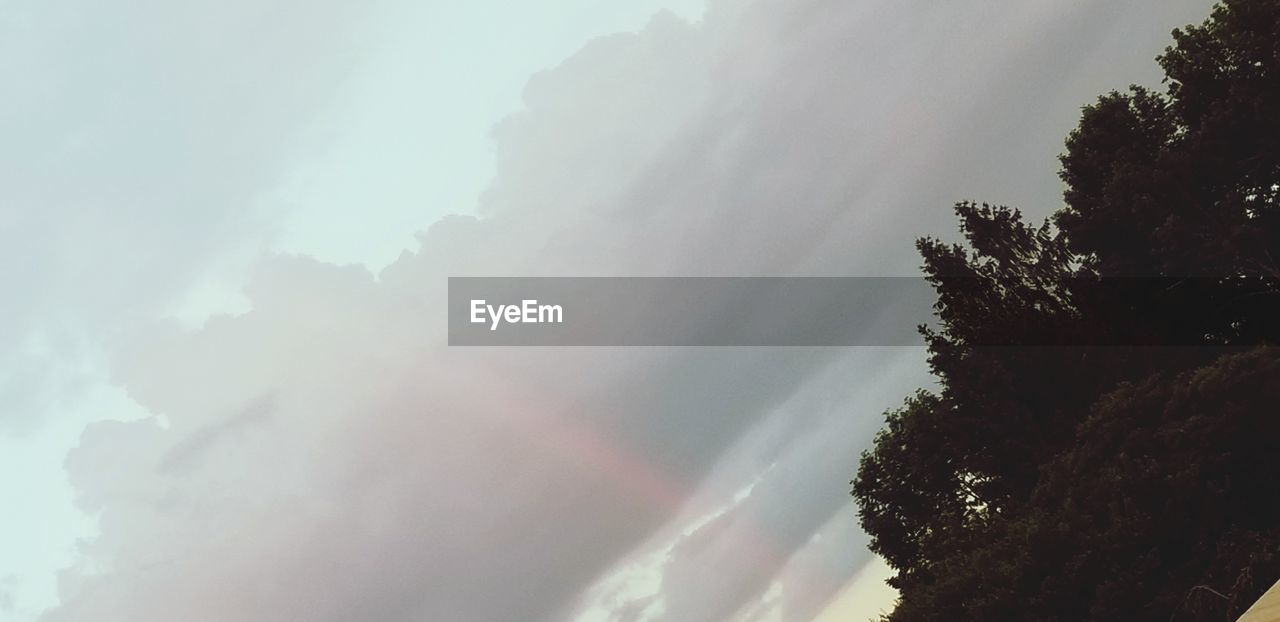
pixel 1102 444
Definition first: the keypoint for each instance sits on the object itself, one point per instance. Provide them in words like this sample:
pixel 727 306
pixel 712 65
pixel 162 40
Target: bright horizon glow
pixel 865 597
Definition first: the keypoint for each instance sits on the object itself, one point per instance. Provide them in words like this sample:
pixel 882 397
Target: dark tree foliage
pixel 1074 465
pixel 1165 508
pixel 1188 183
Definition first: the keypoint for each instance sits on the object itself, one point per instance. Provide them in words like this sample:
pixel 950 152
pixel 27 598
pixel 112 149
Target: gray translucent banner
pixel 693 311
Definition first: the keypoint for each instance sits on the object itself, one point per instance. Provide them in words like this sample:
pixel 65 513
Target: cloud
pixel 323 456
pixel 138 141
pixel 786 542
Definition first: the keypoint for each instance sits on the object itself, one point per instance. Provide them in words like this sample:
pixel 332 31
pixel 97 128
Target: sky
pixel 225 229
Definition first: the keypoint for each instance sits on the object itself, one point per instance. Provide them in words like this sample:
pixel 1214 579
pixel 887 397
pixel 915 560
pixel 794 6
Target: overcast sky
pixel 225 229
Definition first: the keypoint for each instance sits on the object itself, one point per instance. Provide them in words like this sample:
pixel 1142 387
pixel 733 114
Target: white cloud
pixel 137 143
pixel 150 157
pixel 327 458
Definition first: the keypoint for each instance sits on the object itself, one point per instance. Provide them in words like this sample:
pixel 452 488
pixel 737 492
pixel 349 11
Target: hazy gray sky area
pixel 225 232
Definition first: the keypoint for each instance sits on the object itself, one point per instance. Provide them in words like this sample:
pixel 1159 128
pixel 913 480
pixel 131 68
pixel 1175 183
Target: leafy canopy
pixel 1102 443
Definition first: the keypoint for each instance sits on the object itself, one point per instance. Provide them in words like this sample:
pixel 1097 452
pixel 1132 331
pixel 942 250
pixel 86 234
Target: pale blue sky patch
pixel 408 140
pixel 402 139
